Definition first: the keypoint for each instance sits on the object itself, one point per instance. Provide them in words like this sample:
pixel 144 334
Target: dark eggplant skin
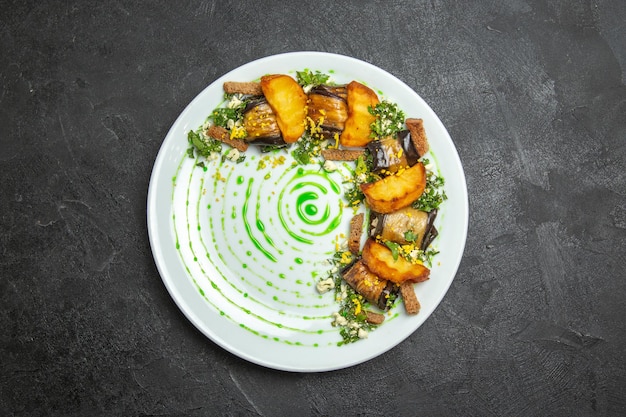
pixel 410 153
pixel 390 289
pixel 387 155
pixel 260 122
pixel 385 152
pixel 354 275
pixel 328 104
pixel 339 91
pixel 431 231
pixel 377 222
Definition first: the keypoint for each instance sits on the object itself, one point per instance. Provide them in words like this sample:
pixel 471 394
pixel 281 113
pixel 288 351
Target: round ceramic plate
pixel 240 246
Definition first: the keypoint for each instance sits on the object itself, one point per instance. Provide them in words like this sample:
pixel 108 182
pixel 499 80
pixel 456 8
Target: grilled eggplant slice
pixel 328 109
pixel 380 261
pixel 288 101
pixel 375 290
pixel 387 155
pixel 392 153
pixel 363 281
pixel 395 191
pixel 260 123
pixel 394 226
pixel 357 129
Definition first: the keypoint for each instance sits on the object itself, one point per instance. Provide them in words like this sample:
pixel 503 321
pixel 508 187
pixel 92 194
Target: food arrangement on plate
pixel 393 188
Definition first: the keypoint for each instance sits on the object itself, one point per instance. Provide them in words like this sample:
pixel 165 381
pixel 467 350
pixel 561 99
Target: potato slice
pixel 379 261
pixel 288 101
pixel 396 191
pixel 356 132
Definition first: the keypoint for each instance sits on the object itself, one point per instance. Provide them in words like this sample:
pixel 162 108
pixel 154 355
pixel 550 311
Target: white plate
pixel 235 255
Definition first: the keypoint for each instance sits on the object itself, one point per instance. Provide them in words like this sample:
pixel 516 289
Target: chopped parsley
pixel 410 236
pixel 362 174
pixel 351 318
pixel 389 119
pixel 203 144
pixel 233 111
pixel 307 148
pixel 433 194
pixel 310 79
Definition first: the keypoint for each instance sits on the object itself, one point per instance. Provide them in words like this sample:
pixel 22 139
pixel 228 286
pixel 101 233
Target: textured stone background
pixel 533 94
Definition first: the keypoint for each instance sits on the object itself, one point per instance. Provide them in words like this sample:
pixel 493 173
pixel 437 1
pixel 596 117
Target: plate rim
pixel 176 294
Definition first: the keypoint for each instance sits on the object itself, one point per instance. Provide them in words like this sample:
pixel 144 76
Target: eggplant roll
pixel 392 153
pixel 259 121
pixel 363 281
pixel 328 106
pixel 394 226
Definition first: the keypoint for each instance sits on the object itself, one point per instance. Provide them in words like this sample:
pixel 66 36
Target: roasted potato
pixel 396 191
pixel 288 101
pixel 357 130
pixel 379 260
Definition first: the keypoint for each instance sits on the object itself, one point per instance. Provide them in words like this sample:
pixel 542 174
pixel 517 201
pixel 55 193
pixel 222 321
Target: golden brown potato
pixel 396 191
pixel 379 261
pixel 357 130
pixel 288 101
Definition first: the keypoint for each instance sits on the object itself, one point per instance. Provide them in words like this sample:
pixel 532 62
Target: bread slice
pixel 221 134
pixel 411 303
pixel 247 88
pixel 418 135
pixel 341 154
pixel 374 318
pixel 356 228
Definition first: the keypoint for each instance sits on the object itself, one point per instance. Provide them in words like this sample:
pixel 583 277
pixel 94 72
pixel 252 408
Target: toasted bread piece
pixel 418 135
pixel 248 88
pixel 341 154
pixel 356 229
pixel 221 134
pixel 411 303
pixel 374 318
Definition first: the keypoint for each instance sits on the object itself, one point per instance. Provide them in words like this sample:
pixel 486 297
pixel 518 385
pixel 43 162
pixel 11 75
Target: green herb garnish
pixel 410 236
pixel 204 144
pixel 389 119
pixel 233 111
pixel 394 247
pixel 307 78
pixel 433 194
pixel 306 148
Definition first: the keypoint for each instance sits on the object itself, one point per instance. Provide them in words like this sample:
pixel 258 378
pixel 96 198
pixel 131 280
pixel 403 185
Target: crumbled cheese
pixel 325 285
pixel 339 320
pixel 234 102
pixel 232 154
pixel 329 166
pixel 362 334
pixel 213 156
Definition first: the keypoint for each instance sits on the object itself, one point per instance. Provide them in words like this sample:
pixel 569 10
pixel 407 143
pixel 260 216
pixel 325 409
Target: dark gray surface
pixel 532 93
